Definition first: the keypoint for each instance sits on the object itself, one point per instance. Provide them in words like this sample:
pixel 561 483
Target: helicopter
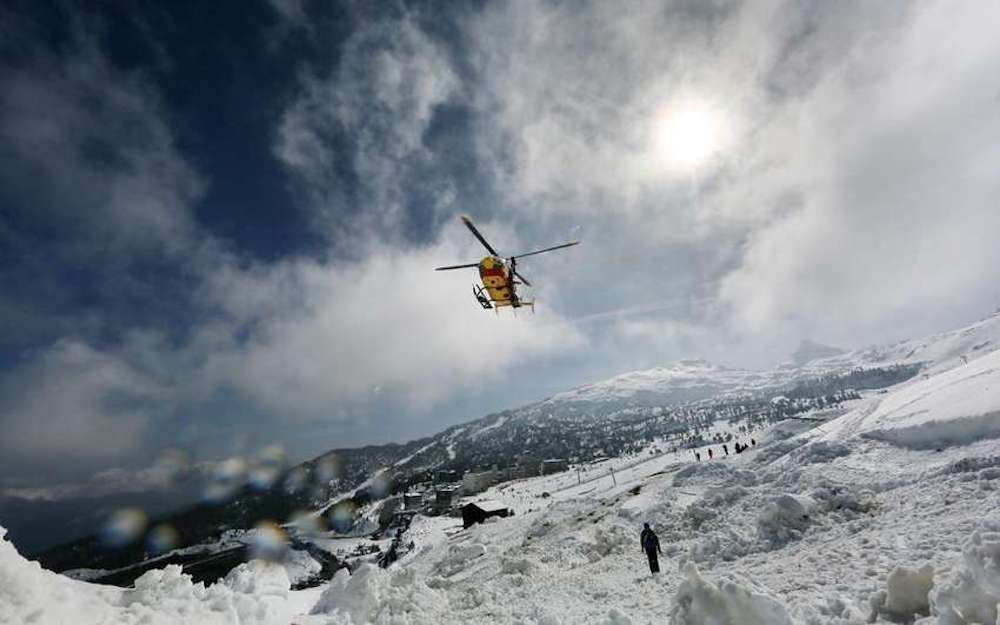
pixel 499 275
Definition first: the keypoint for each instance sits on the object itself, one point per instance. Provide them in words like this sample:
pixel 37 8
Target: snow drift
pixel 700 602
pixel 254 593
pixel 956 407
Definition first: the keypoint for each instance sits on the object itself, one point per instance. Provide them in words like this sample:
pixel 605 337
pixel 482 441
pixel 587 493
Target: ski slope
pixel 958 406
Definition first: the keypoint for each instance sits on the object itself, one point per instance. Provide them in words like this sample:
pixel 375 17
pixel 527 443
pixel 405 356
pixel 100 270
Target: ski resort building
pixel 554 465
pixel 443 498
pixel 478 511
pixel 478 482
pixel 413 501
pixel 446 476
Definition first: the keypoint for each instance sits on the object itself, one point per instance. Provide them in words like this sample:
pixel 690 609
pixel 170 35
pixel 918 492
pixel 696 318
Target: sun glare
pixel 687 135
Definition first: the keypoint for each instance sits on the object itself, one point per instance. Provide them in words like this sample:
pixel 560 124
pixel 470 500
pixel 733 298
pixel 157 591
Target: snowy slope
pixel 832 526
pixel 691 380
pixel 940 351
pixel 847 523
pixel 684 381
pixel 958 406
pixel 255 592
pixel 888 513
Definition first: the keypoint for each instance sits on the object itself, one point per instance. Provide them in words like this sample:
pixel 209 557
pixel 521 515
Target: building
pixel 445 476
pixel 413 501
pixel 478 482
pixel 478 511
pixel 554 465
pixel 443 496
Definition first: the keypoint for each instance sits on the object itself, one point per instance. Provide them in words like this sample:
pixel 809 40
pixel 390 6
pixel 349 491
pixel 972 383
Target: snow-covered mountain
pixel 811 350
pixel 883 510
pixel 692 380
pixel 681 382
pixel 672 406
pixel 937 352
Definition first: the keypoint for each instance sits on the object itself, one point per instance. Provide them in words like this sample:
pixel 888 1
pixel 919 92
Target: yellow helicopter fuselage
pixel 496 278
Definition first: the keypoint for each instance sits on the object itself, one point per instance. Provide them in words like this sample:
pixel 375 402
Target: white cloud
pixel 367 115
pixel 87 149
pixel 896 216
pixel 73 406
pixel 854 192
pixel 386 330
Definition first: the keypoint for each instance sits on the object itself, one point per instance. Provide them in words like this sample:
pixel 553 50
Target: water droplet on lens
pixel 268 541
pixel 123 527
pixel 162 538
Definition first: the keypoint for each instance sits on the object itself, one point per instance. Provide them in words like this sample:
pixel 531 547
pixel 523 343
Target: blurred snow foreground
pixel 886 513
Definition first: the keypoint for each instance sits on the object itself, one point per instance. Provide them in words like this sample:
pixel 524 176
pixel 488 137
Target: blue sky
pixel 218 224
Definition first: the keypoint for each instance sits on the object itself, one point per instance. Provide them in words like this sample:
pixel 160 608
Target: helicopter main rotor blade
pixel 548 249
pixel 475 233
pixel 522 278
pixel 456 267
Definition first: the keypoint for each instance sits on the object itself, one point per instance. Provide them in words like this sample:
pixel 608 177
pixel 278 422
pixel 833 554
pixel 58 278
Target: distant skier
pixel 725 448
pixel 709 453
pixel 697 456
pixel 651 547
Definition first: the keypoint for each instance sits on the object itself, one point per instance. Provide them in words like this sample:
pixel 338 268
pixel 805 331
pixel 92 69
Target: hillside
pixel 884 512
pixel 678 406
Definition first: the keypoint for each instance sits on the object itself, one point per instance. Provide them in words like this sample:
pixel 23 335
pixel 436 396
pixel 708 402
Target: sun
pixel 686 135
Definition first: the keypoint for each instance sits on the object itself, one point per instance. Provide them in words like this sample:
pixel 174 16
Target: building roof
pixel 488 505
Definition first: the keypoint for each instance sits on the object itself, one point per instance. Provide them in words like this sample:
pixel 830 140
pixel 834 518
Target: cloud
pixel 97 199
pixel 74 407
pixel 87 157
pixel 354 136
pixel 895 202
pixel 291 12
pixel 853 193
pixel 386 330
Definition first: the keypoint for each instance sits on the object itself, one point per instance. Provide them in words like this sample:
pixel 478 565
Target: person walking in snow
pixel 709 453
pixel 725 448
pixel 697 456
pixel 651 547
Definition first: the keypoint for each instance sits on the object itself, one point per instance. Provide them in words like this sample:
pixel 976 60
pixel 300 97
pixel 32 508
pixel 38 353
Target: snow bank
pixel 785 518
pixel 972 595
pixel 255 593
pixel 767 454
pixel 458 557
pixel 848 501
pixel 373 595
pixel 936 434
pixel 616 617
pixel 712 473
pixel 956 407
pixel 906 594
pixel 300 566
pixel 700 602
pixel 819 452
pixel 711 503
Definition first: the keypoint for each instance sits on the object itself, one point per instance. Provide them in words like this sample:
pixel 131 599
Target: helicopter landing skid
pixel 484 301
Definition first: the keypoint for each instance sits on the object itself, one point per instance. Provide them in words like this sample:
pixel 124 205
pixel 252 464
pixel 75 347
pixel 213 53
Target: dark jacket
pixel 650 543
